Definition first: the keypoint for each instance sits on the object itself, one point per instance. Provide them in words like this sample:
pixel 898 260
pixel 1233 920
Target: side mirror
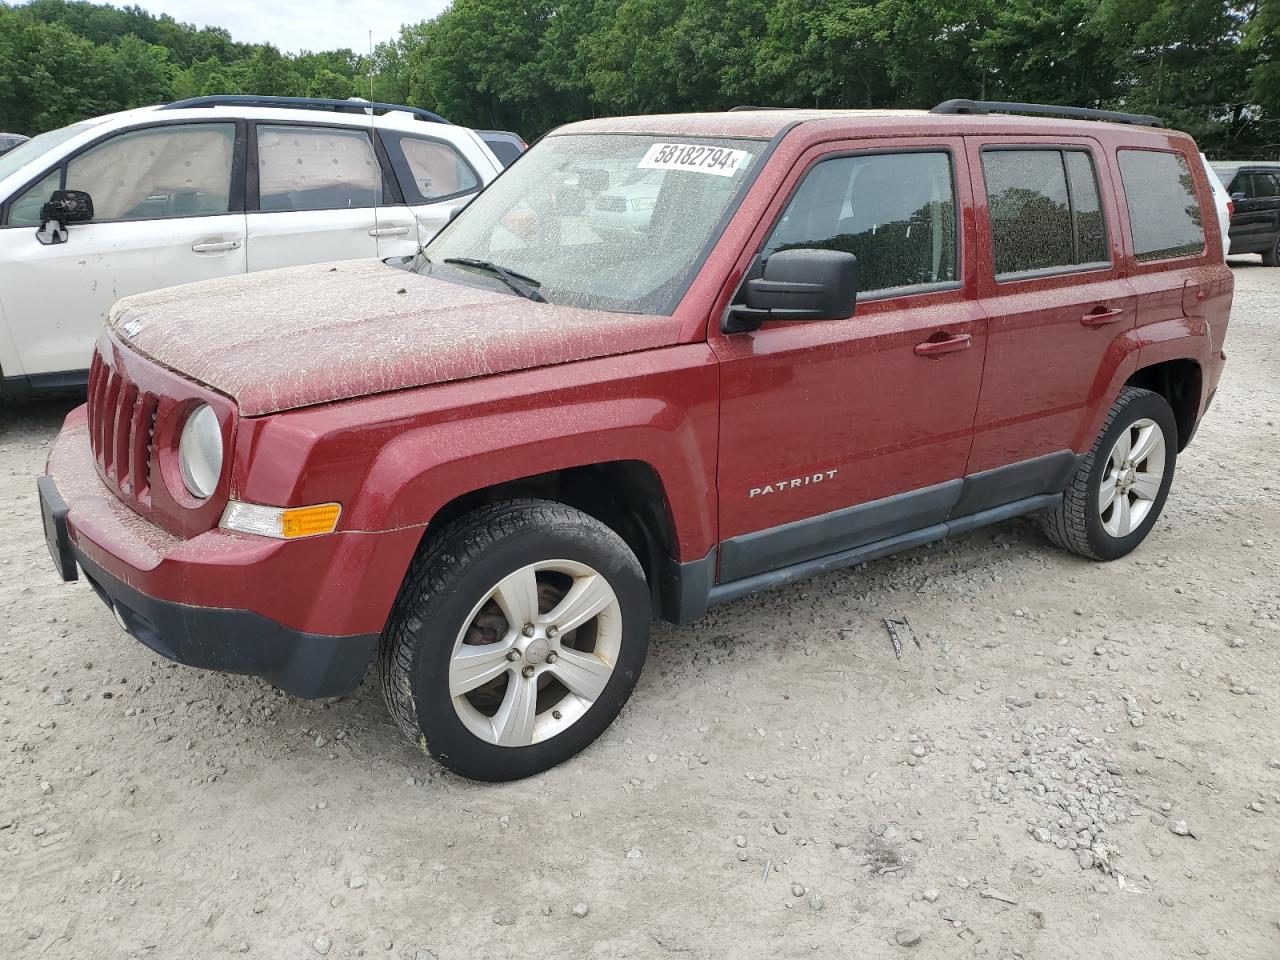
pixel 803 284
pixel 65 207
pixel 1237 197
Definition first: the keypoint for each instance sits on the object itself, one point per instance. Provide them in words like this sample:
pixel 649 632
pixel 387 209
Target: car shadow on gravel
pixel 27 417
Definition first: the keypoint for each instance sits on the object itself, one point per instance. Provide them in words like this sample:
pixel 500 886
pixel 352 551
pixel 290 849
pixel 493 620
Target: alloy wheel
pixel 1135 471
pixel 536 653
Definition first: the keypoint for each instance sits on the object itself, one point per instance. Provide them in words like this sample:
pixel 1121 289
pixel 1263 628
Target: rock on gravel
pixel 908 937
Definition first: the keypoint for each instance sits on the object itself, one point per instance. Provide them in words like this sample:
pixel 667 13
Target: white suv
pixel 205 188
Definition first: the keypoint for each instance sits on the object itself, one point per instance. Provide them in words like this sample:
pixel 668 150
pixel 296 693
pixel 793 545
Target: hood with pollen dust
pixel 282 339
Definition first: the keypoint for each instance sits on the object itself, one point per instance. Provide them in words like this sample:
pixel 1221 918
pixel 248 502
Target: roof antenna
pixel 373 145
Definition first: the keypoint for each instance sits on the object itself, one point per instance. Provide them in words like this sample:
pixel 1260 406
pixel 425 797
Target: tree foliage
pixel 1208 66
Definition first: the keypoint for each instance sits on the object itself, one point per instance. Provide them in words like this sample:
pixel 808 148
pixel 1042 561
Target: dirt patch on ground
pixel 1074 759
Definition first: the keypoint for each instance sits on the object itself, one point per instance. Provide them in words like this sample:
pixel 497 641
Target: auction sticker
pixel 693 158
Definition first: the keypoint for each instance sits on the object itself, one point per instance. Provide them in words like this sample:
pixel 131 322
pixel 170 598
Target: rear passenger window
pixel 316 168
pixel 428 169
pixel 895 212
pixel 1164 212
pixel 1045 211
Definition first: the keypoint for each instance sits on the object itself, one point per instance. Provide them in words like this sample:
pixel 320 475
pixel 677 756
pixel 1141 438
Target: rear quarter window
pixel 429 170
pixel 1164 211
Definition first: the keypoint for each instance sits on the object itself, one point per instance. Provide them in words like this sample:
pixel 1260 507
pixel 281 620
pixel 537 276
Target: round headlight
pixel 200 451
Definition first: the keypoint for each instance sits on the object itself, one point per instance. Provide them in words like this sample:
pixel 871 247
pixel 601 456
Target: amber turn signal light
pixel 282 523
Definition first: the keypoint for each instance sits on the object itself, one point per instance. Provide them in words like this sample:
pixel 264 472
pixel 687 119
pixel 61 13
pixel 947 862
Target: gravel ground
pixel 1070 759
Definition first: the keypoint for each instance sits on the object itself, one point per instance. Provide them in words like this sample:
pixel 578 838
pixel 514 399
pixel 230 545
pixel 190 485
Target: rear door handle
pixel 216 246
pixel 1101 316
pixel 936 348
pixel 388 231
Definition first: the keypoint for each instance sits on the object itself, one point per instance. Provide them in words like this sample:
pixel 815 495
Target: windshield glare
pixel 604 222
pixel 20 156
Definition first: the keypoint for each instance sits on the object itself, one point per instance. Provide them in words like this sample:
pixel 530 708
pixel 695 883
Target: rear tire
pixel 517 637
pixel 1121 485
pixel 1271 256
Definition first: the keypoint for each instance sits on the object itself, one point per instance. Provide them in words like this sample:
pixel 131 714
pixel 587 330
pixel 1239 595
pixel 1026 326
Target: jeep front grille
pixel 122 422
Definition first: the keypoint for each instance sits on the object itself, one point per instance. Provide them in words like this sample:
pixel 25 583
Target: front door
pixel 1052 284
pixel 165 213
pixel 838 434
pixel 1256 222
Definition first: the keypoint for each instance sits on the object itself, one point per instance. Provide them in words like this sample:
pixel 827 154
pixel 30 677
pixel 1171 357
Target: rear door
pixel 312 194
pixel 434 178
pixel 168 209
pixel 1051 279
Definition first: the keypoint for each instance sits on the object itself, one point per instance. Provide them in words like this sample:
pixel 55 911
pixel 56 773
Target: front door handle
pixel 1101 316
pixel 216 246
pixel 936 348
pixel 388 231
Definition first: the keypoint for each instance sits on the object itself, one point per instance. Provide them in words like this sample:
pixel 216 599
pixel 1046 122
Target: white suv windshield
pixel 607 222
pixel 19 157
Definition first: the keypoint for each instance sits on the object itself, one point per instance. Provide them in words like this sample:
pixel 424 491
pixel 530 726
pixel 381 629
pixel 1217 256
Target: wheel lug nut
pixel 527 672
pixel 552 657
pixel 528 630
pixel 557 714
pixel 513 655
pixel 552 631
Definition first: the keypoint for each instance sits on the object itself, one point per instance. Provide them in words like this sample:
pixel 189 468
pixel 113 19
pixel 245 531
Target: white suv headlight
pixel 200 451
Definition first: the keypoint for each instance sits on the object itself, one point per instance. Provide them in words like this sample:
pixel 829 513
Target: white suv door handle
pixel 216 246
pixel 388 231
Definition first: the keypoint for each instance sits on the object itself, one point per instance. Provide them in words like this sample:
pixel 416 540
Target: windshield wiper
pixel 525 286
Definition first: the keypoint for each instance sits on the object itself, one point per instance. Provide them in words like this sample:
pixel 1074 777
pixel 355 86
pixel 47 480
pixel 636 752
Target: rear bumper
pixel 304 615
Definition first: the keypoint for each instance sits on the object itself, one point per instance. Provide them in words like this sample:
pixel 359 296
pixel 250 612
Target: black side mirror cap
pixel 68 206
pixel 1237 197
pixel 64 207
pixel 797 285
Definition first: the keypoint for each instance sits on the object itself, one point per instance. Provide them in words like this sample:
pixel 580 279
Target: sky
pixel 293 25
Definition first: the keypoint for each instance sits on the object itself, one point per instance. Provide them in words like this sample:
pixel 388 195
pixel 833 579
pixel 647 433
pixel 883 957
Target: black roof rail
pixel 1046 109
pixel 743 106
pixel 301 103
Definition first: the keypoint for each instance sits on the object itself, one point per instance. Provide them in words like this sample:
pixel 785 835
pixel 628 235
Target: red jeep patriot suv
pixel 630 380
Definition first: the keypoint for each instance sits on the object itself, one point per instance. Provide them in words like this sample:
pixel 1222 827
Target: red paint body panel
pixel 713 415
pixel 394 460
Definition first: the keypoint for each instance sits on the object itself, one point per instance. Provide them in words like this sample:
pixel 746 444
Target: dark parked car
pixel 506 146
pixel 1255 224
pixel 10 140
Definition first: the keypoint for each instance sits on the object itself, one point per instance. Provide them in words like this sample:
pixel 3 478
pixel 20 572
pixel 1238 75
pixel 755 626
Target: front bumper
pixel 303 615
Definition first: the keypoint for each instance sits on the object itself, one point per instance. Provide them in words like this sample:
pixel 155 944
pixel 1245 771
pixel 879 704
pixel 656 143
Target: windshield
pixel 604 222
pixel 19 157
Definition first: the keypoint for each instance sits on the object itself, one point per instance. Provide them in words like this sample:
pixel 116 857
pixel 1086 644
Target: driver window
pixel 895 212
pixel 158 174
pixel 25 209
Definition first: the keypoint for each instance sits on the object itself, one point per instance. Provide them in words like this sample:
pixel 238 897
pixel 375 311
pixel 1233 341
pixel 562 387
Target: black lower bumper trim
pixel 236 641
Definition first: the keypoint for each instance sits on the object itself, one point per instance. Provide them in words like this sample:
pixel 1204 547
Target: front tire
pixel 516 639
pixel 1121 485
